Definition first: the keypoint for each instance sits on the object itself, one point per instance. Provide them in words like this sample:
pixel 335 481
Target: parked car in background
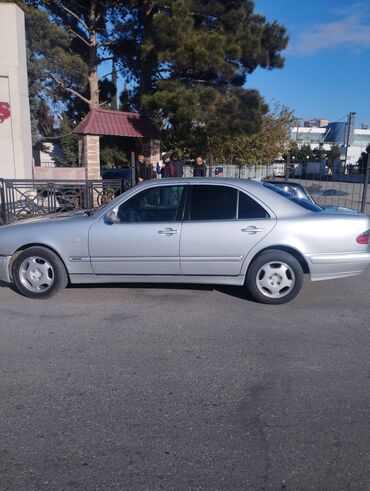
pixel 293 188
pixel 213 231
pixel 301 192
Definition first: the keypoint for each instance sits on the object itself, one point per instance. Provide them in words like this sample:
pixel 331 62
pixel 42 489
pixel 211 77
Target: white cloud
pixel 350 32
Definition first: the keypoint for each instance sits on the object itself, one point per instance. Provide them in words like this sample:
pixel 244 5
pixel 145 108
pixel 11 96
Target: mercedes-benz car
pixel 213 231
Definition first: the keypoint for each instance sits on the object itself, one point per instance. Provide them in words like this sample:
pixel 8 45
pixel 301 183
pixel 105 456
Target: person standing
pixel 160 165
pixel 200 169
pixel 168 170
pixel 143 171
pixel 219 172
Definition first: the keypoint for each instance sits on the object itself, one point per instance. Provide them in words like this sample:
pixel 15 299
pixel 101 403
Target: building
pixel 15 123
pixel 351 140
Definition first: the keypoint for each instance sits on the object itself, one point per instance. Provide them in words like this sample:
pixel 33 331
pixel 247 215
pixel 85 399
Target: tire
pixel 274 277
pixel 38 272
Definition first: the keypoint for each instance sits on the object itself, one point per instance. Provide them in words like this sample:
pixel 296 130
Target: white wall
pixel 15 131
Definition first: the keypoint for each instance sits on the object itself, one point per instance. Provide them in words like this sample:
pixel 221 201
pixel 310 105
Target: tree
pixel 68 142
pixel 191 62
pixel 332 155
pixel 260 148
pixel 70 65
pixel 319 153
pixel 186 62
pixel 363 160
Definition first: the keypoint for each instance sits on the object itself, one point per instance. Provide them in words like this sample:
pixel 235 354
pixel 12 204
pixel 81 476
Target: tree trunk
pixel 93 58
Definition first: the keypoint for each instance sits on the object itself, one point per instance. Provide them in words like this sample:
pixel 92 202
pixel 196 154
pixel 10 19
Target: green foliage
pixel 191 62
pixel 332 155
pixel 363 160
pixel 186 62
pixel 69 144
pixel 300 154
pixel 260 148
pixel 112 156
pixel 306 153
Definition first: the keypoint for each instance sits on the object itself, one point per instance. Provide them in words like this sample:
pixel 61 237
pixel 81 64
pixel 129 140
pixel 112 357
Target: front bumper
pixel 330 266
pixel 4 269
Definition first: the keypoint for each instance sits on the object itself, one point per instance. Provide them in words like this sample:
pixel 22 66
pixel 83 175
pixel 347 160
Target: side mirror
pixel 111 217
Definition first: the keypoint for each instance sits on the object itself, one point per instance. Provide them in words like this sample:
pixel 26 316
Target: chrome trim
pixel 212 259
pixel 134 259
pixel 79 259
pixel 4 269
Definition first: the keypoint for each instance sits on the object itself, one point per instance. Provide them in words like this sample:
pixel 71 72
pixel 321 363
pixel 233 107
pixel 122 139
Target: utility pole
pixel 287 165
pixel 349 133
pixel 366 184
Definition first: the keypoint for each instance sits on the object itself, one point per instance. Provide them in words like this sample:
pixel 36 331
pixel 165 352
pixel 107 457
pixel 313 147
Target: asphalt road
pixel 129 388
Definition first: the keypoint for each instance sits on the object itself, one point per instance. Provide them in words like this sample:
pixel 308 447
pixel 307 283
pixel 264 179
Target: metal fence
pixel 21 199
pixel 342 186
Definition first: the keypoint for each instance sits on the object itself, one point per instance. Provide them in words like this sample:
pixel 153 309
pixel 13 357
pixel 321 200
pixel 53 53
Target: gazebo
pixel 105 122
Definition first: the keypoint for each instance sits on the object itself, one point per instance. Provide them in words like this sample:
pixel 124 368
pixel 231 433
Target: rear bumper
pixel 4 269
pixel 330 266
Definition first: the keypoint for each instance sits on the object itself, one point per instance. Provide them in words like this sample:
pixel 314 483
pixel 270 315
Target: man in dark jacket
pixel 168 170
pixel 143 171
pixel 200 169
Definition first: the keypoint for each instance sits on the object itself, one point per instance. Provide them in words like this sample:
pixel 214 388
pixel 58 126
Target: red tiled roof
pixel 116 123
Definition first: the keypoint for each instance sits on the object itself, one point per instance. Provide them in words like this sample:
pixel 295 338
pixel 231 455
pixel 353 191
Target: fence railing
pixel 338 187
pixel 21 199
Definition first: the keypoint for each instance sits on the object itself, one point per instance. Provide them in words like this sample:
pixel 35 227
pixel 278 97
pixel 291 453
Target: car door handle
pixel 252 230
pixel 168 231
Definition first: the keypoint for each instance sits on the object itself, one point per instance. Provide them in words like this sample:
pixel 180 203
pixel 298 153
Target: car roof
pixel 278 204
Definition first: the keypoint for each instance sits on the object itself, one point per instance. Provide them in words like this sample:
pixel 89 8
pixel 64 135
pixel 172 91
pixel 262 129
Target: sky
pixel 327 62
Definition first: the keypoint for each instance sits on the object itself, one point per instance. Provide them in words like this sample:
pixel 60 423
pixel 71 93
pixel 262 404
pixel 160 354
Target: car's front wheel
pixel 274 277
pixel 38 272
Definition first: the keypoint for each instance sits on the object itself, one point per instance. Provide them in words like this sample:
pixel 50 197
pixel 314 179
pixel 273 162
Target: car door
pixel 145 236
pixel 222 224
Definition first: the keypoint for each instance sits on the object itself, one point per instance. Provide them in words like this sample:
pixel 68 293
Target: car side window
pixel 213 203
pixel 158 204
pixel 249 208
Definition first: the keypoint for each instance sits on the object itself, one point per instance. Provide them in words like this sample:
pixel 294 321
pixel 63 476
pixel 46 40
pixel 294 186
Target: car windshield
pixel 308 205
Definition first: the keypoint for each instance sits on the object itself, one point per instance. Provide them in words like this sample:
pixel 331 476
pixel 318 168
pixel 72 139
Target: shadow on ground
pixel 232 291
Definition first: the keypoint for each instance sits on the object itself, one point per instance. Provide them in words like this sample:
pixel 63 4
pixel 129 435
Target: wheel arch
pixel 28 246
pixel 289 250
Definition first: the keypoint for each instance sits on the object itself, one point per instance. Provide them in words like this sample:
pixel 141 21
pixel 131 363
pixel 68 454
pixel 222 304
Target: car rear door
pixel 222 224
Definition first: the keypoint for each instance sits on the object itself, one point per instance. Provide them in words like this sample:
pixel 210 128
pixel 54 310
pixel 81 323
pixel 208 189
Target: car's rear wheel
pixel 38 272
pixel 274 277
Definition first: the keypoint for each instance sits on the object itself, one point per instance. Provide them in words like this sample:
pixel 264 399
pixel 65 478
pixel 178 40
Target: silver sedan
pixel 213 231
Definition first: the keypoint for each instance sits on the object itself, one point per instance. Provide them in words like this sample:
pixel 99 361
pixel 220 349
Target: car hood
pixel 50 218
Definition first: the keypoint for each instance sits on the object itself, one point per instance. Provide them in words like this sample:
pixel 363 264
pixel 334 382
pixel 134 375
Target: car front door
pixel 145 236
pixel 221 226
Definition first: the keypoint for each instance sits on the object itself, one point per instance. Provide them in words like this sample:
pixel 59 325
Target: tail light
pixel 363 239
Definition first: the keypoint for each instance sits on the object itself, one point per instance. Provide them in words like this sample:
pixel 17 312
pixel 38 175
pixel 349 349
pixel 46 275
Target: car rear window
pixel 308 205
